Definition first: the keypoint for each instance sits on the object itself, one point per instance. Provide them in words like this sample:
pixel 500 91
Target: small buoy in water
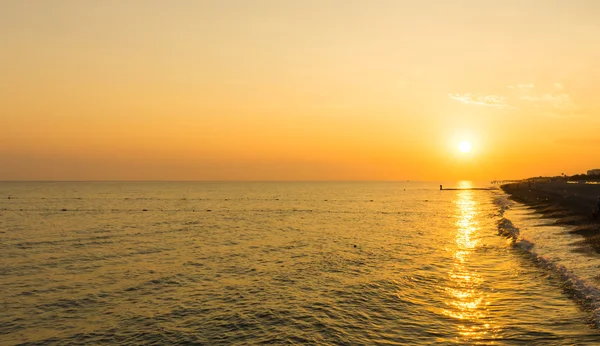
pixel 63 209
pixel 144 209
pixel 208 210
pixel 354 245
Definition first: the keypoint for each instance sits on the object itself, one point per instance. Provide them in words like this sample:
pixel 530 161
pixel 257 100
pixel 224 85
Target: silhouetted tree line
pixel 577 177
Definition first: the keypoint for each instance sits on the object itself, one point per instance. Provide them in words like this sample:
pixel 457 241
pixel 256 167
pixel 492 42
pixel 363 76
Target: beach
pixel 569 204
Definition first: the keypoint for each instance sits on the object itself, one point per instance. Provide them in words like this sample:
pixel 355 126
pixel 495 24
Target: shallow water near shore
pixel 284 263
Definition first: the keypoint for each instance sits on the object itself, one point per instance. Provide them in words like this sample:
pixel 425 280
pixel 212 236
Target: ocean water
pixel 397 263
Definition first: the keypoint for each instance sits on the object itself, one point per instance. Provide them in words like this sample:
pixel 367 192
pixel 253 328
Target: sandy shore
pixel 569 204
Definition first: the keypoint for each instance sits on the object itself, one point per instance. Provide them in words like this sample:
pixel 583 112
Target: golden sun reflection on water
pixel 466 301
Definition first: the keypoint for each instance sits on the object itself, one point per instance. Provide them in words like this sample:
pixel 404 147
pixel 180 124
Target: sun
pixel 464 146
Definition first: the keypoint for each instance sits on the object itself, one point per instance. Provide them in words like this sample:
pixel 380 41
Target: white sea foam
pixel 502 201
pixel 583 291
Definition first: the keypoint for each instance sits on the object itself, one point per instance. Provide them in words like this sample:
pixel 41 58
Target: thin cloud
pixel 561 101
pixel 486 100
pixel 553 101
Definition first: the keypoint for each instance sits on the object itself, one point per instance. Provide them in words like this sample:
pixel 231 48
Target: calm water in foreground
pixel 286 263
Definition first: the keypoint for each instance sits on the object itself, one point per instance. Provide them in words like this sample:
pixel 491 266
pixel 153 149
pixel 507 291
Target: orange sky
pixel 298 90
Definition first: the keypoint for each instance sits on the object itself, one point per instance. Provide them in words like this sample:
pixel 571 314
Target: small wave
pixel 503 203
pixel 158 284
pixel 507 229
pixel 585 294
pixel 71 305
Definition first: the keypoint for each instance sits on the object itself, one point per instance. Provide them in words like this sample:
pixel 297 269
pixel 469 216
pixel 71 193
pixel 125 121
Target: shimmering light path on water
pixel 251 263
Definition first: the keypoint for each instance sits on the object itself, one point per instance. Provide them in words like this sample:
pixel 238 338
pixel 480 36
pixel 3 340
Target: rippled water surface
pixel 276 263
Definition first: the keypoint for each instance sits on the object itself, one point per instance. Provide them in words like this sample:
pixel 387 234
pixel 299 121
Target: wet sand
pixel 568 204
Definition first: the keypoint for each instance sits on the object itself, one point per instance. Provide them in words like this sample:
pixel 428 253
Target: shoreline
pixel 570 205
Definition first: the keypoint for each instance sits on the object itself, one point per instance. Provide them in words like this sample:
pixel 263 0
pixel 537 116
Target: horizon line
pixel 243 181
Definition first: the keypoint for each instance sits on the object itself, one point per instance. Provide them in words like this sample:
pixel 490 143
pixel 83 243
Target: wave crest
pixel 585 294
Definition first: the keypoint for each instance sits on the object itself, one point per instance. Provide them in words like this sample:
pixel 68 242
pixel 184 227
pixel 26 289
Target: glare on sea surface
pixel 466 302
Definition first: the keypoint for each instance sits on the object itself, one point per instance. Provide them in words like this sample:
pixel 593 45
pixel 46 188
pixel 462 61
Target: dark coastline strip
pixel 569 204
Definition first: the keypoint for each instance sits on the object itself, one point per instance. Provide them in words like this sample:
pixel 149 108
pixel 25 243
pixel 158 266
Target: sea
pixel 288 263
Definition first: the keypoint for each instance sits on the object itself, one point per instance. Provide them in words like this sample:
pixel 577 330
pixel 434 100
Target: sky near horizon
pixel 298 90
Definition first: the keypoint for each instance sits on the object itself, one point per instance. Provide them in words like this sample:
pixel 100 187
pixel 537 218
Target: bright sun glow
pixel 464 146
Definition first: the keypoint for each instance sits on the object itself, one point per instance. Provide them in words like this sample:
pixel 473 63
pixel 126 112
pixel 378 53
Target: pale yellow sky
pixel 298 90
